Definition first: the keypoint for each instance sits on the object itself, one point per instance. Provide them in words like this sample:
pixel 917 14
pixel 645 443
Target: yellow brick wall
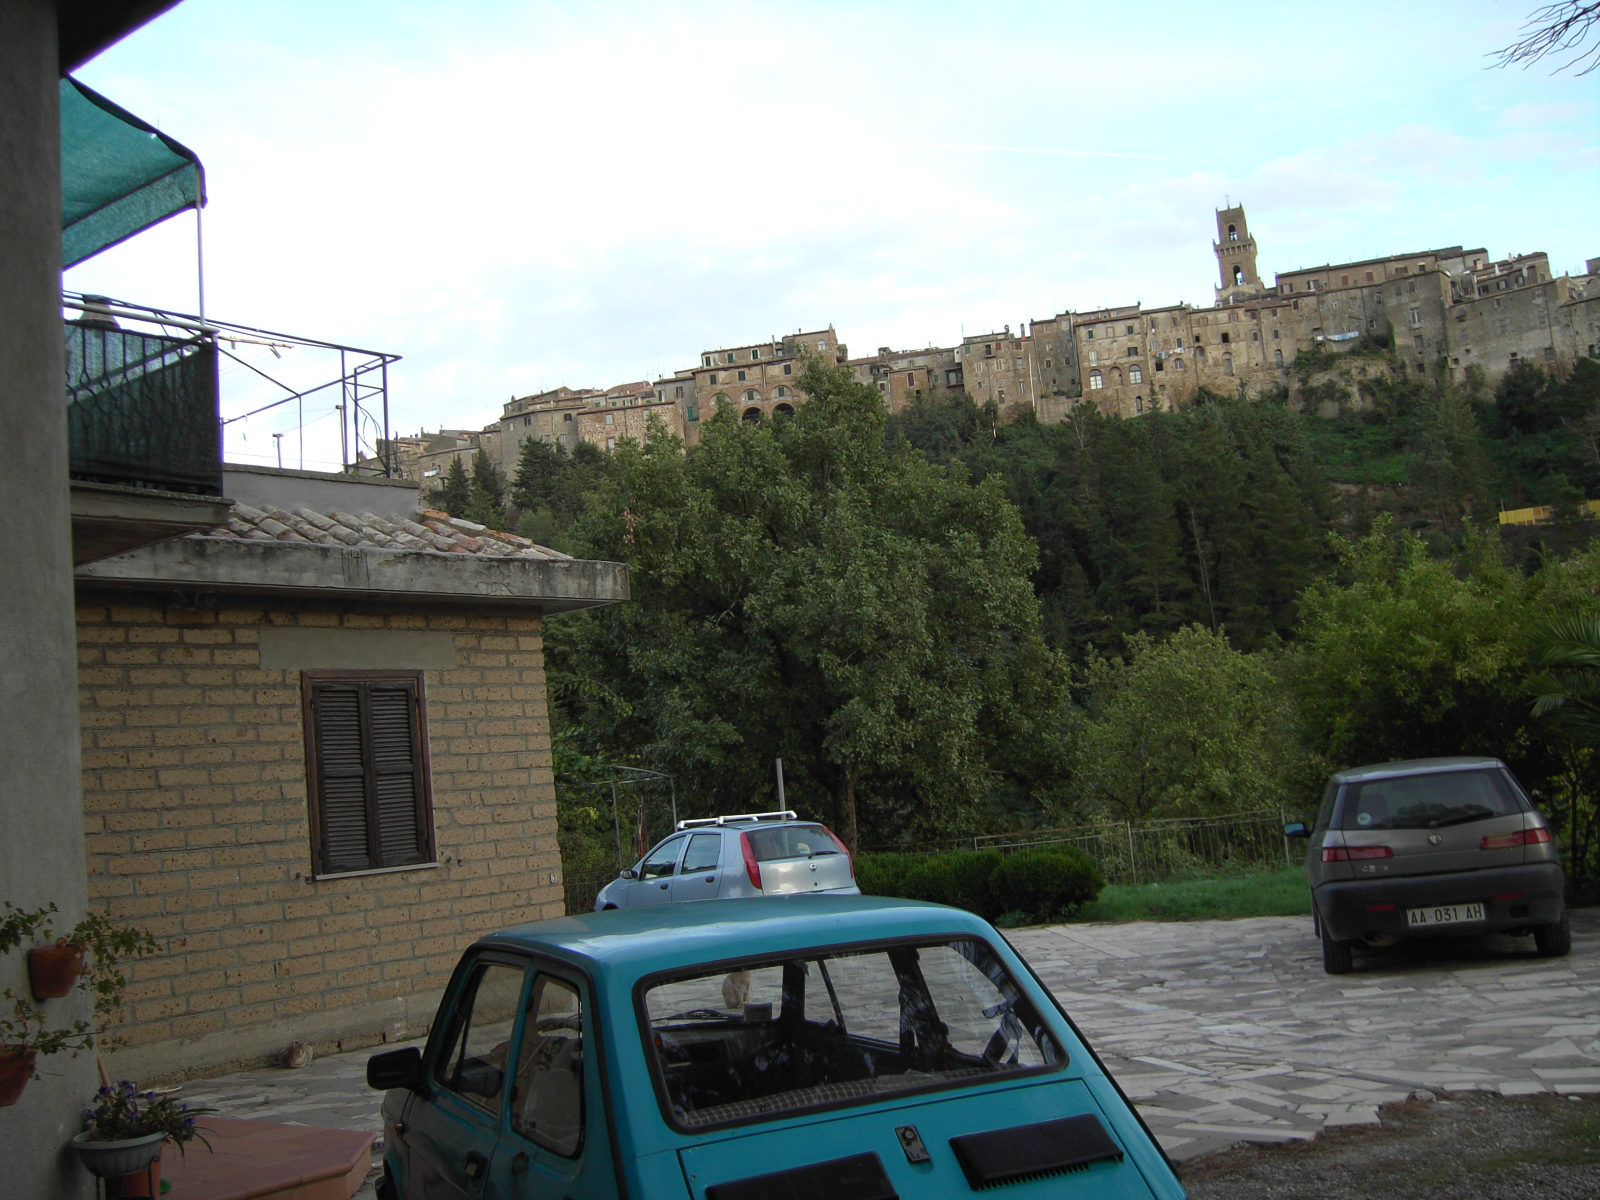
pixel 194 789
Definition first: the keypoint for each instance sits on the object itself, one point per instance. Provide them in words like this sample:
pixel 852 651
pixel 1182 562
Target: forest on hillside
pixel 947 626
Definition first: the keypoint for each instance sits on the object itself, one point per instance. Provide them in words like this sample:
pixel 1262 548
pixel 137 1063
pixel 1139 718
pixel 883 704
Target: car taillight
pixel 843 849
pixel 1522 837
pixel 1354 853
pixel 751 867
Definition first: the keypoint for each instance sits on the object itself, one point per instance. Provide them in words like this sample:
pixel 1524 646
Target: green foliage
pixel 454 493
pixel 123 1112
pixel 1566 651
pixel 1281 892
pixel 1184 727
pixel 1543 431
pixel 1043 883
pixel 801 591
pixel 486 501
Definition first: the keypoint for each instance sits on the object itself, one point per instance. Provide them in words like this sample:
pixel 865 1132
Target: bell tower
pixel 1236 254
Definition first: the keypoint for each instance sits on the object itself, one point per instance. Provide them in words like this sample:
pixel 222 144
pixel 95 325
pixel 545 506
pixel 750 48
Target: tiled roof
pixel 432 532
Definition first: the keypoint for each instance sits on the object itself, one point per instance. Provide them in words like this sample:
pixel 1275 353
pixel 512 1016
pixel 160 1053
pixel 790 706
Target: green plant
pixel 1047 882
pixel 105 946
pixel 123 1112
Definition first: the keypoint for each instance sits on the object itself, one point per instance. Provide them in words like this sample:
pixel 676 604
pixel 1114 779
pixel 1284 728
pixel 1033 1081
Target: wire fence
pixel 1125 851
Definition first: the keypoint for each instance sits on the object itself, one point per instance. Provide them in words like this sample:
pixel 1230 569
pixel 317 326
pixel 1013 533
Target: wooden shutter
pixel 367 772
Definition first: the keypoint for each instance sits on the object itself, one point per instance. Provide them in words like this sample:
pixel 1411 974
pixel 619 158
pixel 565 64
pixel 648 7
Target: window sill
pixel 427 866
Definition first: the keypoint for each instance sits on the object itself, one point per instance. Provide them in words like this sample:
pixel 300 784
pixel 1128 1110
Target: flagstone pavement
pixel 1220 1031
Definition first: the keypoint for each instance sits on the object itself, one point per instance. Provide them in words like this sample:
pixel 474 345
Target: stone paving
pixel 1220 1031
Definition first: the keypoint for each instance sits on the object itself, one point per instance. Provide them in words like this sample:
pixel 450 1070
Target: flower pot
pixel 114 1160
pixel 16 1068
pixel 147 1183
pixel 52 970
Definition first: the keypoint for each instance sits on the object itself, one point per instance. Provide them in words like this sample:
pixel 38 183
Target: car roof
pixel 1413 766
pixel 659 936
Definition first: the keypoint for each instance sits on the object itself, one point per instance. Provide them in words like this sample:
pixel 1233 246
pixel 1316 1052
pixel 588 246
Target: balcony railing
pixel 142 408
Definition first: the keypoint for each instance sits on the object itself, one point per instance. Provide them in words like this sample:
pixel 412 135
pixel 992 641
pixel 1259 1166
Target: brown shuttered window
pixel 367 770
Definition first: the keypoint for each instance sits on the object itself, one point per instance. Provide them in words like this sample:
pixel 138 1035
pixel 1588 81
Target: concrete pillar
pixel 41 808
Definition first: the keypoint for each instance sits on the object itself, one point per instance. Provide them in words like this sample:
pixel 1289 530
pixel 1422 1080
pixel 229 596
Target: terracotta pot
pixel 52 970
pixel 16 1068
pixel 146 1183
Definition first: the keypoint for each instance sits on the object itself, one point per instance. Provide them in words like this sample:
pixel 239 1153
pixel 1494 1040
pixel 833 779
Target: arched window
pixel 1227 364
pixel 752 397
pixel 782 391
pixel 1277 358
pixel 1238 274
pixel 1233 233
pixel 752 416
pixel 1177 364
pixel 1096 382
pixel 1135 374
pixel 783 410
pixel 719 398
pixel 1200 353
pixel 1138 405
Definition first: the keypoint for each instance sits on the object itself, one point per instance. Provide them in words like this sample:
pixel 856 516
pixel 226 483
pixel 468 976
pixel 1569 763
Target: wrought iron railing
pixel 142 409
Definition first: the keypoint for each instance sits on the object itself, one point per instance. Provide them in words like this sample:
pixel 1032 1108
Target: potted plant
pixel 53 970
pixel 126 1130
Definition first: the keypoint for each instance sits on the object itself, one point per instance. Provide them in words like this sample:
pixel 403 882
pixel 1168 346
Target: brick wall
pixel 194 787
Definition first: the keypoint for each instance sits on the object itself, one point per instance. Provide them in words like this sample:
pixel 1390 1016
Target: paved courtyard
pixel 1221 1031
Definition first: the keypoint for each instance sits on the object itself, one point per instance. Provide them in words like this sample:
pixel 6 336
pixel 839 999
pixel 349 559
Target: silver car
pixel 1436 847
pixel 749 854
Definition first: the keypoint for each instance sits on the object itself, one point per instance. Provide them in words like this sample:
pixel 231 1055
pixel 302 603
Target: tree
pixel 1567 653
pixel 800 590
pixel 538 466
pixel 1557 29
pixel 486 502
pixel 454 494
pixel 1188 726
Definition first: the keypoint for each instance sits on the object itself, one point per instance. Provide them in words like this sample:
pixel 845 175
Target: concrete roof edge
pixel 290 568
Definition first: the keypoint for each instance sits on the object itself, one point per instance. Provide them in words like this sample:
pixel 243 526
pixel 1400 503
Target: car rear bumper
pixel 1529 895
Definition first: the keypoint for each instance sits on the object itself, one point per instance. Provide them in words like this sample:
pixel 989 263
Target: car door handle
pixel 711 878
pixel 475 1166
pixel 664 886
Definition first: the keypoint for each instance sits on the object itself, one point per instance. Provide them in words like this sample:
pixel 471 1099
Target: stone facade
pixel 905 375
pixel 756 380
pixel 195 812
pixel 606 427
pixel 999 368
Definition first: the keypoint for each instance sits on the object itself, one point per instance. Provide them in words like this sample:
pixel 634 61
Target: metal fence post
pixel 1283 820
pixel 1133 865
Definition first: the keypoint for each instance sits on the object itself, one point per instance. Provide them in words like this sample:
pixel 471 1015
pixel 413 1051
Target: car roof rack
pixel 787 815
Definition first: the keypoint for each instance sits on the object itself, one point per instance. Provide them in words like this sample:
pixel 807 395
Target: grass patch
pixel 1281 892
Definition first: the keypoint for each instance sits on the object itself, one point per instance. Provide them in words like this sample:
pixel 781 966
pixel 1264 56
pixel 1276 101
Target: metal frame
pixel 363 379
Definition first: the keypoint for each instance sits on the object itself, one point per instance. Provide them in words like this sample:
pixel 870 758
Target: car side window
pixel 473 1061
pixel 704 851
pixel 547 1104
pixel 1325 813
pixel 659 863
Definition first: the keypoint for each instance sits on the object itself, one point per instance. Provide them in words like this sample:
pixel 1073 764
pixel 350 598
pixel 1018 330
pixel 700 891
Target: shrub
pixel 1041 883
pixel 1046 883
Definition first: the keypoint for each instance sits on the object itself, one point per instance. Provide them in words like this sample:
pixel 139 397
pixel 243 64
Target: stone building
pixel 904 375
pixel 1000 368
pixel 316 764
pixel 548 416
pixel 605 427
pixel 757 380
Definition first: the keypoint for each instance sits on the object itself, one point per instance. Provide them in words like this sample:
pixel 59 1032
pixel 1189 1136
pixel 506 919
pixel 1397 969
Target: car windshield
pixel 1429 801
pixel 822 1029
pixel 791 841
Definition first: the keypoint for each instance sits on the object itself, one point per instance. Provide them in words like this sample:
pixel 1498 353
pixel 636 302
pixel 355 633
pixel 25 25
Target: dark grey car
pixel 1435 847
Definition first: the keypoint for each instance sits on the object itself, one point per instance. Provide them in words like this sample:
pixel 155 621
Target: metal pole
pixel 200 264
pixel 1288 859
pixel 616 823
pixel 278 441
pixel 779 763
pixel 672 790
pixel 1133 866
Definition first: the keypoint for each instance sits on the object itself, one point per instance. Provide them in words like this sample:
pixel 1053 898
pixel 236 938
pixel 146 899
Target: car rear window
pixel 1429 801
pixel 821 1029
pixel 791 841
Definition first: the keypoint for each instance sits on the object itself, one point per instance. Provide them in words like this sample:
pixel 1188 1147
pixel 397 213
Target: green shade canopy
pixel 119 175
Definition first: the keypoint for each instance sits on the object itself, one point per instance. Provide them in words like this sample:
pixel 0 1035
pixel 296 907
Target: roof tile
pixel 432 532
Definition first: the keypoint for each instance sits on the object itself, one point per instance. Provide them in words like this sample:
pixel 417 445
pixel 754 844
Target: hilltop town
pixel 1451 311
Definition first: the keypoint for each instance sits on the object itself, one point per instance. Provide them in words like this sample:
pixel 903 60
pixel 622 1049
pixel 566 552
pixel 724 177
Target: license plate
pixel 1444 914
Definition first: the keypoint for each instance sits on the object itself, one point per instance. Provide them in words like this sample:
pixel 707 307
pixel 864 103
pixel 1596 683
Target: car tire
pixel 1338 958
pixel 1554 941
pixel 609 908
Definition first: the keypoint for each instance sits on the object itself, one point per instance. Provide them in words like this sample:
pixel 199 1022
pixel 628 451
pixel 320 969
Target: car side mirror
pixel 396 1069
pixel 626 873
pixel 479 1079
pixel 1296 829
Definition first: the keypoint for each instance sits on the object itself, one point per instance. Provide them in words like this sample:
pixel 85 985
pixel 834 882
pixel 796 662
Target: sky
pixel 515 196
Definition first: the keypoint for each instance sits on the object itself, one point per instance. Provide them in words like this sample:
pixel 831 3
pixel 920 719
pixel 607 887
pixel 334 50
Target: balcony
pixel 144 444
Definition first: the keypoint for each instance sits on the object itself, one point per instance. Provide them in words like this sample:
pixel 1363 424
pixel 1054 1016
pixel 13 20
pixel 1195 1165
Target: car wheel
pixel 1338 958
pixel 609 908
pixel 1554 941
pixel 1316 922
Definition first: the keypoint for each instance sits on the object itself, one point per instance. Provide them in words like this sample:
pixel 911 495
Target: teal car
pixel 857 1048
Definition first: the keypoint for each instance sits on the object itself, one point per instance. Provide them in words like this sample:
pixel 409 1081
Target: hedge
pixel 1039 884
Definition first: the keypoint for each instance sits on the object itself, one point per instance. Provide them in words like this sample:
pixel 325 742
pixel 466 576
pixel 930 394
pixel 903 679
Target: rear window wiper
pixel 1461 818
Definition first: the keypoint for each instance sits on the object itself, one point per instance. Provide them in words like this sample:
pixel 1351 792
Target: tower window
pixel 1238 275
pixel 1233 233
